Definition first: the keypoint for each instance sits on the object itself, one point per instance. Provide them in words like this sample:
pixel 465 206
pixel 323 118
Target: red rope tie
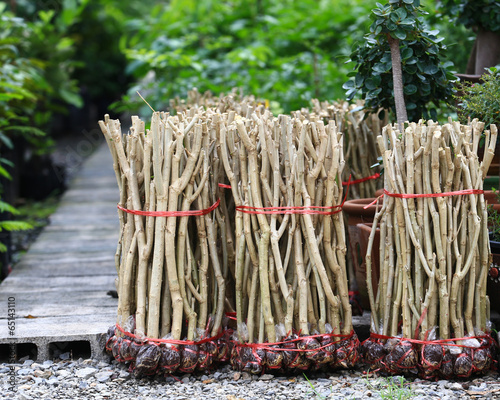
pixel 445 194
pixel 419 195
pixel 361 180
pixel 442 342
pixel 303 210
pixel 319 210
pixel 269 346
pixel 169 341
pixel 188 213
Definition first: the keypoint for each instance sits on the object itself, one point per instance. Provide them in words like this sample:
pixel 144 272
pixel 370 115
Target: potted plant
pixel 483 17
pixel 482 101
pixel 398 67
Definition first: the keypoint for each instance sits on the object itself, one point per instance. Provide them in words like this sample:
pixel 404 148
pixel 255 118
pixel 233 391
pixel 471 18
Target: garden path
pixel 60 286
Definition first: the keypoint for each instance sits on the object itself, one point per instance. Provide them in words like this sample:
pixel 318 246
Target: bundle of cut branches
pixel 224 103
pixel 430 314
pixel 171 284
pixel 290 278
pixel 359 131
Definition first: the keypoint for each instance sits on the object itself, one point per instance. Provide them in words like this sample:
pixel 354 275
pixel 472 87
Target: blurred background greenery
pixel 64 63
pixel 62 55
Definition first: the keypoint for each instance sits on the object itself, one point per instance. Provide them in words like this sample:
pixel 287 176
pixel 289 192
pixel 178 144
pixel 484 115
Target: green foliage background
pixel 285 51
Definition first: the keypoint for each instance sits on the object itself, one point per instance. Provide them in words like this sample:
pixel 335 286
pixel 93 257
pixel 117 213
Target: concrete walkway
pixel 60 285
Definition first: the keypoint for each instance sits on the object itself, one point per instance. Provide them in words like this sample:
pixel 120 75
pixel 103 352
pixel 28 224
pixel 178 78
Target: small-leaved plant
pixel 392 388
pixel 399 64
pixel 481 101
pixel 9 225
pixel 494 219
pixel 483 14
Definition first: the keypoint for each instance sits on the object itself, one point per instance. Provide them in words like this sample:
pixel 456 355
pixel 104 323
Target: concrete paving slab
pixel 65 269
pixel 19 283
pixel 59 288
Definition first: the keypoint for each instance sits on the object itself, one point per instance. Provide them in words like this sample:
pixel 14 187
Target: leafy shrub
pixel 474 13
pixel 425 78
pixel 286 52
pixel 480 101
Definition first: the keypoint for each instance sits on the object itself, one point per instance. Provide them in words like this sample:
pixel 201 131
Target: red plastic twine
pixel 188 213
pixel 443 342
pixel 356 181
pixel 303 210
pixel 418 195
pixel 270 346
pixel 445 194
pixel 169 341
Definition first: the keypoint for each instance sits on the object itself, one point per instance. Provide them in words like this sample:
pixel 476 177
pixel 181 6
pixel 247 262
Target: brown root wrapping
pixel 463 365
pixel 401 358
pixel 170 359
pixel 115 348
pixel 274 359
pixel 306 353
pixel 447 365
pixel 429 360
pixel 147 360
pixel 189 358
pixel 163 357
pixel 254 360
pixel 129 349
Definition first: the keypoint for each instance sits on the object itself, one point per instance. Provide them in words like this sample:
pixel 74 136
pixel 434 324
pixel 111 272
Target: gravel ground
pixel 90 379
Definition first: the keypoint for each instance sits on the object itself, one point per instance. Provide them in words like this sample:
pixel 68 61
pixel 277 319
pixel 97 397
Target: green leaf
pixel 373 93
pixel 348 85
pixel 10 96
pixel 15 226
pixel 410 69
pixel 3 248
pixel 359 80
pixel 6 207
pixel 370 83
pixel 391 26
pixel 408 21
pixel 431 69
pixel 399 33
pixel 31 130
pixel 6 140
pixel 4 173
pixel 71 98
pixel 411 106
pixel 4 161
pixel 406 53
pixel 410 89
pixel 401 12
pixel 379 67
pixel 448 64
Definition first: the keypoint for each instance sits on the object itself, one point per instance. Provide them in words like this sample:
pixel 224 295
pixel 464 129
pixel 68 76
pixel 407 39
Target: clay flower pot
pixel 359 221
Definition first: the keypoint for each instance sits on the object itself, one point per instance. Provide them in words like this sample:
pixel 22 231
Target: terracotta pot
pixel 356 213
pixel 360 263
pixel 357 217
pixel 492 199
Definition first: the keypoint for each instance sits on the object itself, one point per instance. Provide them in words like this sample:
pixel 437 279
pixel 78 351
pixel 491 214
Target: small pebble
pixel 85 373
pixel 105 381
